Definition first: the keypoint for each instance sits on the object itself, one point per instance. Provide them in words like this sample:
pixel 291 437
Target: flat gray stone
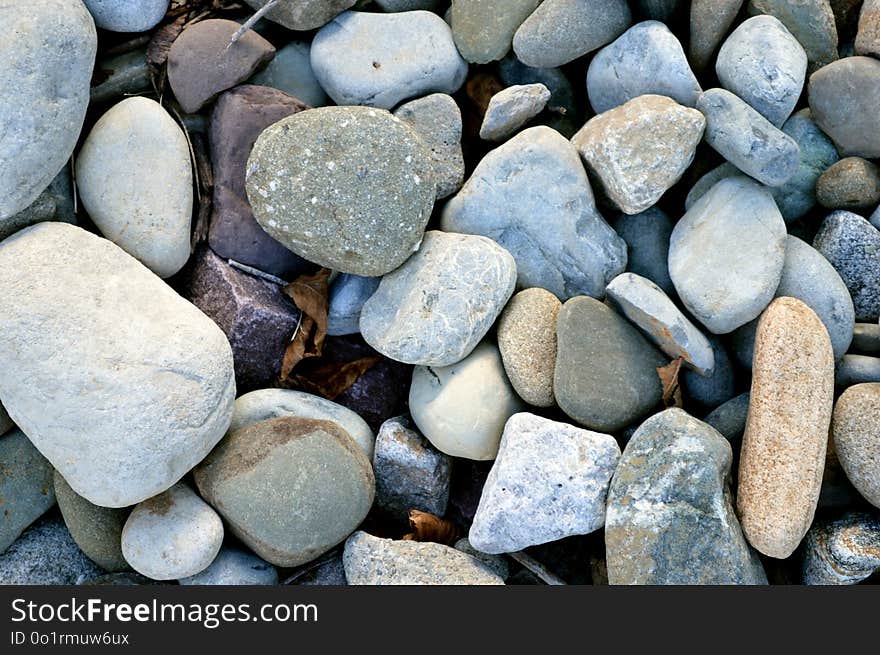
pixel 511 108
pixel 483 29
pixel 856 369
pixel 122 75
pixel 866 339
pixel 710 21
pixel 290 71
pixel 235 567
pixel 45 554
pixel 565 112
pixel 126 16
pixel 348 293
pixel 842 552
pixel 647 242
pixel 810 21
pixel 303 15
pixel 26 489
pixel 855 427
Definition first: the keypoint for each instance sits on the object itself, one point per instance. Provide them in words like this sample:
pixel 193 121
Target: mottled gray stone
pixel 548 482
pixel 670 516
pixel 646 59
pixel 647 240
pixel 121 75
pixel 710 391
pixel 235 567
pixel 730 418
pixel 856 369
pixel 533 197
pixel 852 183
pixel 855 427
pixel 302 15
pixel 842 552
pixel 497 563
pixel 290 71
pixel 127 16
pixel 26 489
pixel 710 21
pixel 810 21
pixel 45 554
pixel 718 285
pixel 483 29
pixel 511 108
pixel 868 35
pixel 348 293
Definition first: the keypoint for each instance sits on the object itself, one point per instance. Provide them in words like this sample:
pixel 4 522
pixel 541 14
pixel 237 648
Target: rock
pixel 410 473
pixel 290 71
pixel 868 36
pixel 843 98
pixel 26 489
pixel 558 238
pixel 718 286
pixel 235 567
pixel 710 22
pixel 437 120
pixel 124 16
pixel 866 339
pixel 512 108
pixel 851 183
pixel 710 179
pixel 496 563
pixel 856 430
pixel 55 203
pixel 748 140
pixel 239 117
pixel 647 240
pixel 348 188
pixel 852 245
pixel 783 452
pixel 763 64
pixel 289 488
pixel 651 310
pixel 436 308
pixel 371 560
pixel 646 59
pixel 565 115
pixel 45 554
pixel 856 369
pixel 135 180
pixel 330 572
pixel 548 482
pixel 730 419
pixel 842 552
pixel 710 391
pixel 123 75
pixel 201 63
pixel 392 6
pixel 810 21
pixel 303 15
pixel 670 519
pixel 257 318
pixel 6 423
pixel 53 94
pixel 559 31
pixel 125 579
pixel 483 30
pixel 348 293
pixel 640 149
pixel 379 60
pixel 606 372
pixel 131 411
pixel 462 408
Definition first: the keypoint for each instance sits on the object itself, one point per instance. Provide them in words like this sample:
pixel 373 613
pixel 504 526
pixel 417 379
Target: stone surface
pixel 646 59
pixel 349 188
pixel 670 517
pixel 290 71
pixel 511 108
pixel 379 60
pixel 730 419
pixel 302 15
pixel 462 408
pixel 856 369
pixel 483 30
pixel 55 203
pixel 556 235
pixel 868 36
pixel 235 567
pixel 851 183
pixel 371 560
pixel 348 293
pixel 866 339
pixel 435 308
pixel 810 21
pixel 640 149
pixel 710 20
pixel 289 488
pixel 6 423
pixel 606 375
pixel 784 445
pixel 718 286
pixel 548 482
pixel 842 552
pixel 330 572
pixel 126 16
pixel 46 79
pixel 407 5
pixel 856 430
pixel 122 75
pixel 647 240
pixel 709 391
pixel 565 115
pixel 497 563
pixel 45 554
pixel 26 490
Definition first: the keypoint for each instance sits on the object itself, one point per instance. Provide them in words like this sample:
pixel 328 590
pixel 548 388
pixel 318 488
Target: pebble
pixel 856 369
pixel 26 491
pixel 558 238
pixel 483 30
pixel 125 16
pixel 235 567
pixel 201 63
pixel 410 473
pixel 640 149
pixel 810 21
pixel 843 98
pixel 462 408
pixel 45 554
pixel 647 240
pixel 289 488
pixel 348 293
pixel 436 308
pixel 47 80
pixel 856 430
pixel 730 418
pixel 548 482
pixel 709 391
pixel 329 572
pixel 379 60
pixel 718 286
pixel 851 183
pixel 55 203
pixel 868 36
pixel 710 21
pixel 784 445
pixel 842 552
pixel 496 563
pixel 134 178
pixel 303 15
pixel 370 560
pixel 349 188
pixel 565 114
pixel 748 140
pixel 512 108
pixel 852 245
pixel 646 59
pixel 763 64
pixel 290 71
pixel 866 340
pixel 651 310
pixel 670 518
pixel 560 31
pixel 606 371
pixel 123 75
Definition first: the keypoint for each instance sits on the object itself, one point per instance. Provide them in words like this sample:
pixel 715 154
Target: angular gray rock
pixel 511 108
pixel 348 293
pixel 290 71
pixel 483 30
pixel 842 552
pixel 46 555
pixel 811 22
pixel 303 15
pixel 235 567
pixel 26 489
pixel 125 16
pixel 647 242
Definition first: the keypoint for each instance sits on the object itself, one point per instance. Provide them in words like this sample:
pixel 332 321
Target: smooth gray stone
pixel 348 293
pixel 235 567
pixel 127 16
pixel 720 287
pixel 763 64
pixel 842 552
pixel 564 112
pixel 707 181
pixel 646 59
pixel 711 391
pixel 511 108
pixel 710 21
pixel 730 418
pixel 45 554
pixel 55 203
pixel 484 29
pixel 874 218
pixel 291 71
pixel 647 240
pixel 866 339
pixel 533 197
pixel 748 140
pixel 26 489
pixel 856 369
pixel 497 563
pixel 812 23
pixel 125 74
pixel 330 572
pixel 303 15
pixel 407 5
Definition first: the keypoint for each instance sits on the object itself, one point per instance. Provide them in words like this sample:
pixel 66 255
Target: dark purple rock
pixel 237 120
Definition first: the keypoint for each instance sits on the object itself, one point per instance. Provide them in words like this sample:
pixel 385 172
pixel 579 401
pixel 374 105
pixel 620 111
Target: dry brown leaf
pixel 310 294
pixel 332 379
pixel 669 379
pixel 480 89
pixel 205 188
pixel 427 527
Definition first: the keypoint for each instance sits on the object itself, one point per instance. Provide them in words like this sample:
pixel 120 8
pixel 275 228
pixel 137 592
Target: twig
pixel 249 23
pixel 256 272
pixel 536 567
pixel 73 184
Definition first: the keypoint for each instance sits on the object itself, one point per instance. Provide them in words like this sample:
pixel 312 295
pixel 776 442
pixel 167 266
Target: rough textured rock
pixel 125 16
pixel 511 108
pixel 710 21
pixel 46 555
pixel 483 29
pixel 842 552
pixel 856 429
pixel 235 567
pixel 533 197
pixel 784 445
pixel 868 36
pixel 851 183
pixel 133 409
pixel 710 391
pixel 26 489
pixel 291 71
pixel 302 15
pixel 647 241
pixel 810 21
pixel 348 293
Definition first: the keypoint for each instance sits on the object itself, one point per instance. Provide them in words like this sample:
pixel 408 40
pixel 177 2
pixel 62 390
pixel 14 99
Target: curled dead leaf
pixel 330 380
pixel 427 527
pixel 669 379
pixel 310 294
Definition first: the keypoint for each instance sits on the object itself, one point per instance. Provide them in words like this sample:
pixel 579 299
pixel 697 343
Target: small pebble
pixel 730 419
pixel 852 183
pixel 303 15
pixel 842 552
pixel 512 108
pixel 235 567
pixel 856 430
pixel 564 112
pixel 348 293
pixel 709 391
pixel 866 339
pixel 483 30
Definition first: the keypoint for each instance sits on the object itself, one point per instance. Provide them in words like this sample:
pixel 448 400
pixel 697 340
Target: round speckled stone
pixel 856 430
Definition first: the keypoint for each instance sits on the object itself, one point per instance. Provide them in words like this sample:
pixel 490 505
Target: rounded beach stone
pixel 511 108
pixel 289 488
pixel 565 113
pixel 709 391
pixel 868 36
pixel 141 381
pixel 437 307
pixel 172 535
pixel 856 429
pixel 462 408
pixel 290 71
pixel 483 30
pixel 647 241
pixel 710 20
pixel 527 341
pixel 381 59
pixel 866 339
pixel 719 287
pixel 26 489
pixel 842 552
pixel 349 188
pixel 235 567
pixel 348 293
pixel 135 180
pixel 45 72
pixel 303 15
pixel 606 372
pixel 646 59
pixel 46 555
pixel 784 445
pixel 856 369
pixel 127 16
pixel 810 21
pixel 851 183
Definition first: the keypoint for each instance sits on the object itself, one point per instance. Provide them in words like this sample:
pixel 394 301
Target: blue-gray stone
pixel 730 418
pixel 45 554
pixel 866 339
pixel 709 391
pixel 856 369
pixel 127 16
pixel 565 112
pixel 511 108
pixel 647 240
pixel 26 489
pixel 291 71
pixel 235 567
pixel 348 293
pixel 874 219
pixel 709 180
pixel 55 203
